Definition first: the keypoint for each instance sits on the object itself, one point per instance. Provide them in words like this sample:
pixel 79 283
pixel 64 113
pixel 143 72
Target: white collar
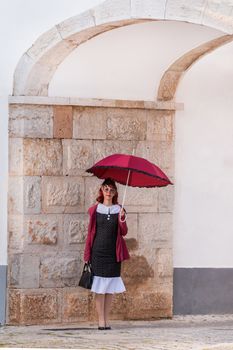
pixel 103 209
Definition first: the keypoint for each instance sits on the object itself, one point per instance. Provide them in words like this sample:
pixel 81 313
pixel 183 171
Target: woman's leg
pixel 107 308
pixel 100 302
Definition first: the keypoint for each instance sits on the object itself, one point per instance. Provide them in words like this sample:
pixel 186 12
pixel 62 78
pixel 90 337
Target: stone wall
pixel 49 194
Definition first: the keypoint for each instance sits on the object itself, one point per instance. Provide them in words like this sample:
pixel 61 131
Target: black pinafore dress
pixel 105 267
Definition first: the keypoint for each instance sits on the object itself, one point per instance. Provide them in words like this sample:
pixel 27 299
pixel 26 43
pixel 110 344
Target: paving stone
pixel 190 332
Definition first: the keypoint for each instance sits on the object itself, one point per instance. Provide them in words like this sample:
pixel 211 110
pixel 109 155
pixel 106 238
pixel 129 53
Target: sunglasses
pixel 108 189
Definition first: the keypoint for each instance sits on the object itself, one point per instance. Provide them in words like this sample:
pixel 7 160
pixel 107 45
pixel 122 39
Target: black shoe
pixel 101 328
pixel 108 327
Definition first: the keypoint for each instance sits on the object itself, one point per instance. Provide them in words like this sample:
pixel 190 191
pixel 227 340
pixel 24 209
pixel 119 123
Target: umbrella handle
pixel 124 218
pixel 123 201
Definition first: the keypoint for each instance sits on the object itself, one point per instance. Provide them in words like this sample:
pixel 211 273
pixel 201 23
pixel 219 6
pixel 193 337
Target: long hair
pixel 111 183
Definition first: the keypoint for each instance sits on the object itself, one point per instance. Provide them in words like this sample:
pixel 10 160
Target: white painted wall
pixel 127 63
pixel 204 164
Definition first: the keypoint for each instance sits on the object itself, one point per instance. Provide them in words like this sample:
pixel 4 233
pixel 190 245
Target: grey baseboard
pixel 3 278
pixel 202 291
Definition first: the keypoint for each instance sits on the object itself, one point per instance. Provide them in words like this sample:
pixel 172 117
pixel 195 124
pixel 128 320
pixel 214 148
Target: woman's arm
pixel 122 222
pixel 87 250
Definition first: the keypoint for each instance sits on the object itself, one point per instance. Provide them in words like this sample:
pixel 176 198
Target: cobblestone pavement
pixel 212 332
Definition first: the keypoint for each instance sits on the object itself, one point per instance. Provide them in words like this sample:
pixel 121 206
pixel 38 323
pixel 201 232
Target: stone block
pixel 139 199
pixel 16 237
pixel 42 157
pixel 126 124
pixel 46 66
pixel 24 271
pixel 184 10
pixel 160 153
pixel 77 156
pixel 81 37
pixel 15 156
pixel 75 228
pixel 33 121
pixel 136 271
pixel 152 305
pixel 41 307
pixel 118 309
pixel 218 14
pixel 60 271
pixel 132 223
pixel 160 125
pixel 112 10
pixel 129 104
pixel 154 227
pixel 106 148
pixel 15 195
pixel 149 251
pixel 90 123
pixel 168 85
pixel 76 24
pixel 32 194
pixel 164 262
pixel 148 9
pixel 63 122
pixel 13 307
pixel 42 230
pixel 14 270
pixel 62 194
pixel 166 199
pixel 92 186
pixel 43 70
pixel 167 158
pixel 45 42
pixel 75 305
pixel 22 71
pixel 34 306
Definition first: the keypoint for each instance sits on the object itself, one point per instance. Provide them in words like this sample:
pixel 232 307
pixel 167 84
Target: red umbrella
pixel 130 170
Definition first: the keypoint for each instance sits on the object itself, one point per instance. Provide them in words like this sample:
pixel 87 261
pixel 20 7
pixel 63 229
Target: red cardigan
pixel 121 249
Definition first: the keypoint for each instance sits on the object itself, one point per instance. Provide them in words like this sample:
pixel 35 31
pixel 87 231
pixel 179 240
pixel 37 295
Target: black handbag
pixel 87 276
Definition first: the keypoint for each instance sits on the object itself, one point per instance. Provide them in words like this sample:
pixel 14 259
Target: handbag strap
pixel 87 266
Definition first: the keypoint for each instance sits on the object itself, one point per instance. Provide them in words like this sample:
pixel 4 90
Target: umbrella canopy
pixel 130 170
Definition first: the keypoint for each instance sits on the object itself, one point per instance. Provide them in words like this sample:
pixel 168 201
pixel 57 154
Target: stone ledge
pixel 94 102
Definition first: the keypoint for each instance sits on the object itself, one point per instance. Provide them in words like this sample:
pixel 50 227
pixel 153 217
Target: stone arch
pixel 171 78
pixel 37 66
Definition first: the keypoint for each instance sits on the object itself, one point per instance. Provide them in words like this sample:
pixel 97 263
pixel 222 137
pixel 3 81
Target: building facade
pixel 107 80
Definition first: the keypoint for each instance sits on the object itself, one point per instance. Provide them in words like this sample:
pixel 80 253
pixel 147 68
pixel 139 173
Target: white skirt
pixel 111 285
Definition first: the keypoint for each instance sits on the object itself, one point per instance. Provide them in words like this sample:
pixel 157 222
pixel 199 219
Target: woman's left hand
pixel 122 212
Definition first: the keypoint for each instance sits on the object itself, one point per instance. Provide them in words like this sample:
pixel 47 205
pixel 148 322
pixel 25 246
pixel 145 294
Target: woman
pixel 105 249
